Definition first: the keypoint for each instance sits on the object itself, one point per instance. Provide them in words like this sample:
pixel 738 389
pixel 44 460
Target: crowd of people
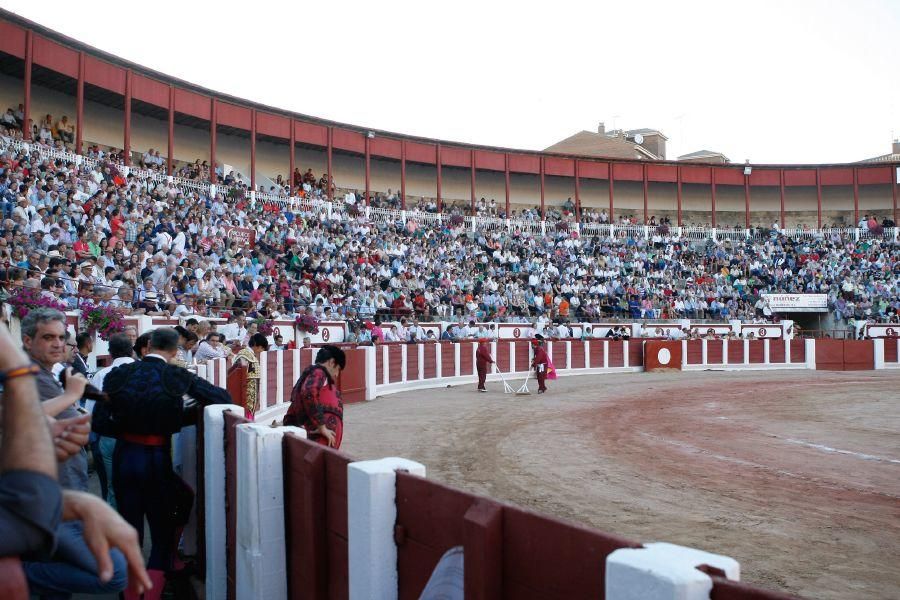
pixel 148 246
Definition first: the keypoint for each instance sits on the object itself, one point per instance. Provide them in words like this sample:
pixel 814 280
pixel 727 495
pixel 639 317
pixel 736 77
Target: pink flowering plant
pixel 105 320
pixel 24 299
pixel 264 326
pixel 307 324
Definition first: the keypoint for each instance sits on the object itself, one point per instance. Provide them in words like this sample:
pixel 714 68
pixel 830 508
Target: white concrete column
pixel 439 357
pixel 295 358
pixel 261 571
pixel 279 378
pixel 810 353
pixel 420 348
pixel 684 361
pixel 371 375
pixel 512 356
pixel 605 354
pixel 879 352
pixel 746 352
pixel 385 368
pixel 456 360
pixel 766 350
pixel 263 380
pixel 704 352
pixel 787 351
pixel 625 347
pixel 214 497
pixel 661 571
pixel 403 374
pixel 568 354
pixel 587 354
pixel 372 513
pixel 725 352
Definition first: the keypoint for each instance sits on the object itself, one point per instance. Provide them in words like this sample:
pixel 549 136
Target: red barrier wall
pixel 466 359
pixel 448 359
pixel 596 354
pixel 577 355
pixel 757 352
pixel 502 357
pixel 412 362
pixel 271 359
pixel 695 352
pixel 616 353
pixel 315 487
pixel 829 355
pixel 559 354
pixel 352 380
pixel 715 352
pixel 890 350
pixel 777 352
pixel 798 350
pixel 430 369
pixel 379 365
pixel 523 357
pixel 635 353
pixel 652 358
pixel 232 420
pixel 507 550
pixel 395 367
pixel 859 355
pixel 724 589
pixel 735 352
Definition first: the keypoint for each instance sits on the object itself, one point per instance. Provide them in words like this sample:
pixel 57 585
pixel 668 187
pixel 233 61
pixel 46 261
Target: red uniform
pixel 540 364
pixel 482 360
pixel 315 401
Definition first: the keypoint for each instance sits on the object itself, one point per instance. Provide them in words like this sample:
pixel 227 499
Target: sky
pixel 772 82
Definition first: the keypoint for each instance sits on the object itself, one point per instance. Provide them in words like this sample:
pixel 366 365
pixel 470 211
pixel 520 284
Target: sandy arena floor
pixel 795 474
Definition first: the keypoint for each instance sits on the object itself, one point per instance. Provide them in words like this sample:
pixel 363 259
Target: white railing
pixel 338 210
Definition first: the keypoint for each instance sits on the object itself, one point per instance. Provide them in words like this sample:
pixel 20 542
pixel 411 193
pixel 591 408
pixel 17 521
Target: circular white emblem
pixel 664 356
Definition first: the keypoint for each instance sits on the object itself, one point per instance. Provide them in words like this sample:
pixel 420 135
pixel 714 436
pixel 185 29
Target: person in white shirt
pixel 122 350
pixel 390 334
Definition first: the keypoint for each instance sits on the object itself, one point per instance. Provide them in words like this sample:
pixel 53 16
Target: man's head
pixel 164 342
pixel 131 333
pixel 44 336
pixel 332 359
pixel 84 341
pixel 120 346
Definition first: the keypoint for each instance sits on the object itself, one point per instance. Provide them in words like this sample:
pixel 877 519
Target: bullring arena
pixel 795 474
pixel 725 424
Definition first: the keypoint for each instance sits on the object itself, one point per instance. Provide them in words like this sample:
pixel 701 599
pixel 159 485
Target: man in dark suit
pixel 84 345
pixel 146 407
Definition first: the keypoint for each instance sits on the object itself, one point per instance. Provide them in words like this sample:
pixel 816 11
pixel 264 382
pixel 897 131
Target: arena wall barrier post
pixel 879 353
pixel 371 374
pixel 810 353
pixel 214 498
pixel 661 571
pixel 261 567
pixel 372 512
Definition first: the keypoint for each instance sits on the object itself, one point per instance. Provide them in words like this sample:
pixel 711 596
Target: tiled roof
pixel 883 158
pixel 700 154
pixel 589 143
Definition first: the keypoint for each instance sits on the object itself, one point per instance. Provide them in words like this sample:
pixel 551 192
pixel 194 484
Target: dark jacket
pixel 147 397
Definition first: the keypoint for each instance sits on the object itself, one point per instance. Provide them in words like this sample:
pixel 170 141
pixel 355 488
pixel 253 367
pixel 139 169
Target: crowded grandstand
pixel 88 228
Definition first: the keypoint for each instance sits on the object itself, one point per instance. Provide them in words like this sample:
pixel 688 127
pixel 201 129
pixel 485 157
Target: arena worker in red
pixel 541 364
pixel 483 358
pixel 316 403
